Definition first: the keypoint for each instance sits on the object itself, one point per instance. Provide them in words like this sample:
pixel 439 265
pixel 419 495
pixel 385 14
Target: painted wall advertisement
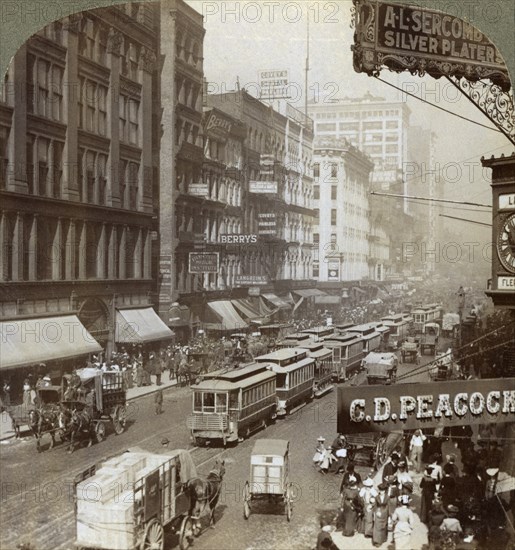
pixel 429 405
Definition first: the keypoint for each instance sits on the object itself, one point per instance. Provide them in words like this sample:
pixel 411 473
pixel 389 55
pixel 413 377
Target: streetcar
pixel 229 404
pixel 347 354
pixel 293 340
pixel 295 377
pixel 320 332
pixel 323 366
pixel 369 335
pixel 399 329
pixel 430 313
pixel 344 327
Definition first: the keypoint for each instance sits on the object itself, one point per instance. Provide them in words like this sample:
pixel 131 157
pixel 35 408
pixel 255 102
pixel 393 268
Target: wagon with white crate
pixel 269 470
pixel 127 501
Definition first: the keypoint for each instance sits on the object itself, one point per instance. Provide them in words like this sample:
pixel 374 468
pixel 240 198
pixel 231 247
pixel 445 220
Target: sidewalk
pixel 6 428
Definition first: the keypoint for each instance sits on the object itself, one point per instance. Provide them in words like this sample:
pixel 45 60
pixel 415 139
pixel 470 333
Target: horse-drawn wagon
pixel 42 417
pixel 380 367
pixel 409 350
pixel 269 471
pixel 127 501
pixel 91 399
pixel 376 446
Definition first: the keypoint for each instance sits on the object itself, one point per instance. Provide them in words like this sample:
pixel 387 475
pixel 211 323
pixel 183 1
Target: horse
pixel 76 423
pixel 41 421
pixel 204 493
pixel 183 375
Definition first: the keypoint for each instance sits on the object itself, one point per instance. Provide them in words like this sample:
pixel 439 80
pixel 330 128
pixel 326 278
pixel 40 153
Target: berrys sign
pixel 411 406
pixel 422 41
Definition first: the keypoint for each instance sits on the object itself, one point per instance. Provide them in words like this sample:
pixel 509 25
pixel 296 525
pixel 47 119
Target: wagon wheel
pixel 246 500
pixel 154 536
pixel 119 419
pixel 100 431
pixel 186 533
pixel 288 502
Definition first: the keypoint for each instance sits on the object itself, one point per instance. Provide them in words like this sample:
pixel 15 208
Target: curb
pixel 153 390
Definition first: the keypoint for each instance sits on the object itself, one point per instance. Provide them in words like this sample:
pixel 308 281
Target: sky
pixel 247 36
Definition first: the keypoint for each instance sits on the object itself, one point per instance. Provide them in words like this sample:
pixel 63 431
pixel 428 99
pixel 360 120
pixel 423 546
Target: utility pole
pixel 307 70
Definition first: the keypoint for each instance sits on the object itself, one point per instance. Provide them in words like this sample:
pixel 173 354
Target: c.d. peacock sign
pixel 410 406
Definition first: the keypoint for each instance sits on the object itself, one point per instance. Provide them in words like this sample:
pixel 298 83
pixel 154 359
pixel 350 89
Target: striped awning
pixel 229 317
pixel 274 299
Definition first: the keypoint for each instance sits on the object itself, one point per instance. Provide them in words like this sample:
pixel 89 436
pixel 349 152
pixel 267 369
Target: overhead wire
pixel 420 369
pixel 438 107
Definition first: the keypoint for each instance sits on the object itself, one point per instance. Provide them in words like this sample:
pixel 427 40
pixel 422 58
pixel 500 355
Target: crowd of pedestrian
pixel 460 505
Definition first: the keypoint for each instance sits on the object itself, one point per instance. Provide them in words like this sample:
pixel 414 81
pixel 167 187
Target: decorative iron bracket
pixel 489 98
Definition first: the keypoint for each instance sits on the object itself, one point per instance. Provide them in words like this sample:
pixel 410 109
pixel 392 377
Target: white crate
pixel 109 525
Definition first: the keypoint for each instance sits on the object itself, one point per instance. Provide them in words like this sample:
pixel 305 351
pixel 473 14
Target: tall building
pixel 424 181
pixel 342 235
pixel 380 129
pixel 77 182
pixel 181 225
pixel 278 189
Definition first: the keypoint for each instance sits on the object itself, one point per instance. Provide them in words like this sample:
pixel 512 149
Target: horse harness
pixel 207 499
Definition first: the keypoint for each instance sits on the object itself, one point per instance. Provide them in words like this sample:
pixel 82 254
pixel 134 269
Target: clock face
pixel 506 243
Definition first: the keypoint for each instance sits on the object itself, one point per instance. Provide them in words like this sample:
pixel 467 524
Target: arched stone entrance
pixel 94 315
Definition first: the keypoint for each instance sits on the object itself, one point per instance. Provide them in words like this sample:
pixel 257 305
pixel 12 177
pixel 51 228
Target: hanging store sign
pixel 198 189
pixel 251 280
pixel 219 123
pixel 411 406
pixel 262 186
pixel 203 262
pixel 267 224
pixel 421 41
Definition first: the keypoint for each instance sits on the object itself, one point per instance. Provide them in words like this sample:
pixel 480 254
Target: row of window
pixel 257 393
pixel 45 99
pixel 301 375
pixel 45 165
pixel 356 114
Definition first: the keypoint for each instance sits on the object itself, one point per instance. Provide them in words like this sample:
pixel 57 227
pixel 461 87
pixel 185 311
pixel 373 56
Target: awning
pixel 327 300
pixel 138 326
pixel 230 318
pixel 308 292
pixel 249 311
pixel 34 341
pixel 278 302
pixel 359 290
pixel 265 310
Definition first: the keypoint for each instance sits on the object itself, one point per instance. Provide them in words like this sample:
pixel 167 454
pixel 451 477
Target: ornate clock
pixel 506 243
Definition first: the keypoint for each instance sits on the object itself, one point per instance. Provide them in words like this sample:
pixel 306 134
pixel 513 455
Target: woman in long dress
pixel 403 520
pixel 380 528
pixel 428 487
pixel 27 398
pixel 351 508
